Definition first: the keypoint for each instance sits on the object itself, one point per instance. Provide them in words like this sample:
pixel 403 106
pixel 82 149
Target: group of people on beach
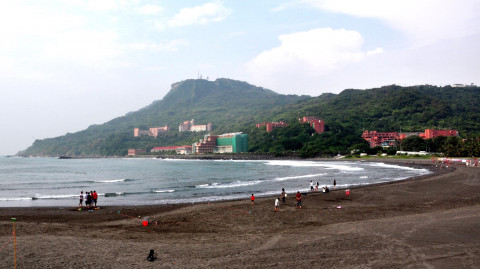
pixel 324 188
pixel 90 199
pixel 298 196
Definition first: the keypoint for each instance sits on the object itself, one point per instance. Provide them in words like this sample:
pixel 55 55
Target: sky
pixel 68 64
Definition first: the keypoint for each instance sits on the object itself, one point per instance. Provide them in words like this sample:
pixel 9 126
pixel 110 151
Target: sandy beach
pixel 427 222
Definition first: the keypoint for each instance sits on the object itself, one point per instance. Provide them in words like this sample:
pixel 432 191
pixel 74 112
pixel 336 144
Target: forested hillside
pixel 234 106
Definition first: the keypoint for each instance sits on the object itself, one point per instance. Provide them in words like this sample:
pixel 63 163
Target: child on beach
pixel 81 199
pixel 252 198
pixel 284 195
pixel 276 204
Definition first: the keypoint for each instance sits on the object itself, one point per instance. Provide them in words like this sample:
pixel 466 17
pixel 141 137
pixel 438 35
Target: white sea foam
pixel 345 166
pixel 295 177
pixel 58 196
pixel 16 199
pixel 163 191
pixel 229 185
pixel 364 177
pixel 110 180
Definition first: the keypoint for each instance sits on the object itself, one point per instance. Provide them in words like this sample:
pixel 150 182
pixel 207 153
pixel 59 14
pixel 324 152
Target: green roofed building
pixel 231 143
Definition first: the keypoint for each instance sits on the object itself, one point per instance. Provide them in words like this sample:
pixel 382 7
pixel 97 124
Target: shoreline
pixel 420 222
pixel 421 164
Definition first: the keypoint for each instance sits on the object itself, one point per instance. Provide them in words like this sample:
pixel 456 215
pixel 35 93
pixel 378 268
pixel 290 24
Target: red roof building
pixel 271 125
pixel 316 123
pixel 376 139
pixel 206 145
pixel 431 133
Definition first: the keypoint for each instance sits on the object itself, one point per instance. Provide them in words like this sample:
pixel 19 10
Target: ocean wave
pixel 58 196
pixel 16 199
pixel 163 191
pixel 113 194
pixel 295 177
pixel 113 180
pixel 229 185
pixel 345 166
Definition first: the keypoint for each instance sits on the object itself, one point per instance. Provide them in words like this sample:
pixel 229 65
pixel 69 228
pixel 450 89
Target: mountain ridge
pixel 233 105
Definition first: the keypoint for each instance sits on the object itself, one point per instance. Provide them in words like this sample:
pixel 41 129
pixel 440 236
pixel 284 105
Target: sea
pixel 32 182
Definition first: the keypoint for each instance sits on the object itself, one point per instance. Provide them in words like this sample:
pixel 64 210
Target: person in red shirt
pixel 299 199
pixel 94 197
pixel 252 198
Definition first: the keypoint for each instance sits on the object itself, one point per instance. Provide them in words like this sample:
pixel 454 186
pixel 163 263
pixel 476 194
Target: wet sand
pixel 426 222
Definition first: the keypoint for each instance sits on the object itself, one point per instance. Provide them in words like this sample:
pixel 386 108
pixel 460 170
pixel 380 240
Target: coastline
pixel 405 223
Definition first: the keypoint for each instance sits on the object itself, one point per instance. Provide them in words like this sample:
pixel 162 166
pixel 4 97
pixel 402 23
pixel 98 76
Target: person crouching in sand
pixel 276 204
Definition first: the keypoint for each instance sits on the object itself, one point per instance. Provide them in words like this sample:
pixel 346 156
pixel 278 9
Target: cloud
pixel 171 46
pixel 203 14
pixel 312 52
pixel 149 10
pixel 88 48
pixel 97 5
pixel 423 21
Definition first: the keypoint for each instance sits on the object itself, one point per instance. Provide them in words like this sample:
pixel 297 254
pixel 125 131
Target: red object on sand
pixel 145 223
pixel 347 192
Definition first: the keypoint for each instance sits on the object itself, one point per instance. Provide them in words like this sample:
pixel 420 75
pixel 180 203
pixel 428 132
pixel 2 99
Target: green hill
pixel 236 106
pixel 228 104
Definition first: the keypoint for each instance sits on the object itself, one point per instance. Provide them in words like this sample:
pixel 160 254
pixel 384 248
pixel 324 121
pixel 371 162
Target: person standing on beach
pixel 252 198
pixel 276 204
pixel 334 183
pixel 316 187
pixel 311 185
pixel 284 195
pixel 94 197
pixel 88 199
pixel 299 199
pixel 81 199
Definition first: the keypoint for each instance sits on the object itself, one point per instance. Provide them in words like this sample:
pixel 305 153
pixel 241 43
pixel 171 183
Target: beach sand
pixel 427 222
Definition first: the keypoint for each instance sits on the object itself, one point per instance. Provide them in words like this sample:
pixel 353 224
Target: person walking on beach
pixel 252 198
pixel 299 199
pixel 94 198
pixel 311 185
pixel 284 195
pixel 316 187
pixel 81 199
pixel 276 204
pixel 334 183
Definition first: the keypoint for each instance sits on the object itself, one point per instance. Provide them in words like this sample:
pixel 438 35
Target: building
pixel 316 123
pixel 231 143
pixel 384 139
pixel 189 126
pixel 271 125
pixel 431 133
pixel 225 143
pixel 177 149
pixel 387 139
pixel 133 152
pixel 155 131
pixel 185 150
pixel 205 145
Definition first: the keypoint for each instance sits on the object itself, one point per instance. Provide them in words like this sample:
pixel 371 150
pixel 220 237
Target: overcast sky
pixel 68 64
